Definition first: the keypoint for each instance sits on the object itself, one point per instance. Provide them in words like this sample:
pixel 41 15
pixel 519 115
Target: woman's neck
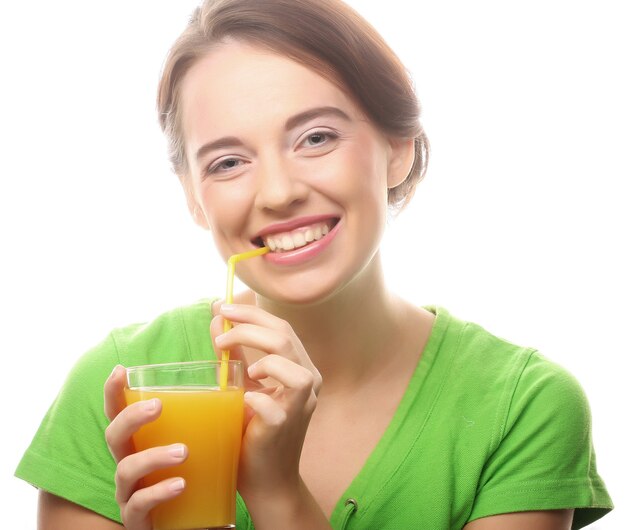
pixel 347 334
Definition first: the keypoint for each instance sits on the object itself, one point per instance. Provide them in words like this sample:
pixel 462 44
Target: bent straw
pixel 235 258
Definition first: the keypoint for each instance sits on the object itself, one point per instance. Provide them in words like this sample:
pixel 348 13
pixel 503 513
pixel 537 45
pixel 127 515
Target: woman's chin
pixel 299 293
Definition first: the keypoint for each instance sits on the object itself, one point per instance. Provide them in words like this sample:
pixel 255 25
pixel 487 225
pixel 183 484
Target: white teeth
pixel 288 243
pixel 297 238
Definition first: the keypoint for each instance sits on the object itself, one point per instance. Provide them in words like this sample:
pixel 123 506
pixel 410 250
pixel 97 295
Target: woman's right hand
pixel 135 501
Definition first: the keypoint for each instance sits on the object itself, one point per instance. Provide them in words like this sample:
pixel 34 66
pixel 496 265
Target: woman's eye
pixel 228 164
pixel 318 138
pixel 224 165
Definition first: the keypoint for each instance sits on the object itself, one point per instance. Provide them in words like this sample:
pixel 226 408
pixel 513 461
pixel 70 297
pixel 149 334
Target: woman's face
pixel 280 156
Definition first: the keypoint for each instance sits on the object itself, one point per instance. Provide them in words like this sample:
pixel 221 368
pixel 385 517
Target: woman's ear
pixel 192 203
pixel 402 156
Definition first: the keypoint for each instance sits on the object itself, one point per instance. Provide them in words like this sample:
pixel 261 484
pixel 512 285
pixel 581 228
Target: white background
pixel 518 226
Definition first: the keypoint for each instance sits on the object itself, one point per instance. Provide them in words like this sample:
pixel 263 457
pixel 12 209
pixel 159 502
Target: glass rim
pixel 182 365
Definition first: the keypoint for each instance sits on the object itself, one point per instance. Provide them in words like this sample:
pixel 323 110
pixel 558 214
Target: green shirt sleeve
pixel 68 455
pixel 543 457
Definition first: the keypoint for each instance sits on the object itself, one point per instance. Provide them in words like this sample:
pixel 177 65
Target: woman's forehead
pixel 240 84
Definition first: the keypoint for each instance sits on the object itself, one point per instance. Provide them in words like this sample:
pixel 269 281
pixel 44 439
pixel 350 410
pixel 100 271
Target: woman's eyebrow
pixel 227 141
pixel 316 112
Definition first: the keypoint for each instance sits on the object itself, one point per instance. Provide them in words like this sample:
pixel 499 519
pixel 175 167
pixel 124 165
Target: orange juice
pixel 209 421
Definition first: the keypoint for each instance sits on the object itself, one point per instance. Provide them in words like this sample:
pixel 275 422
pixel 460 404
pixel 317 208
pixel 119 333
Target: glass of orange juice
pixel 208 418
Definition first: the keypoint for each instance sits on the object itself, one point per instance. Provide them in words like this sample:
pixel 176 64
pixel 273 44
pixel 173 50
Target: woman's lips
pixel 301 252
pixel 300 237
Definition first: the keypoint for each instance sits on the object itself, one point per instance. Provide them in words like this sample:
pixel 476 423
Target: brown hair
pixel 325 35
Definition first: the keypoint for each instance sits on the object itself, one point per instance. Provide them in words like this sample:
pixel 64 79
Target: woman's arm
pixel 541 520
pixel 55 513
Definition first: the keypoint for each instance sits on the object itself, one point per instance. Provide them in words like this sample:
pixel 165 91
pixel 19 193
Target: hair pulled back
pixel 325 35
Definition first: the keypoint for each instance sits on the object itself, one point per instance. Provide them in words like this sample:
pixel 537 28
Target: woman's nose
pixel 278 188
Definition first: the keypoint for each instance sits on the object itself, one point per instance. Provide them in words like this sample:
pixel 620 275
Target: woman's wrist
pixel 288 508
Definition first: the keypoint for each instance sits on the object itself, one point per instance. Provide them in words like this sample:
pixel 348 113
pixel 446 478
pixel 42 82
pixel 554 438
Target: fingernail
pixel 227 308
pixel 177 485
pixel 252 368
pixel 249 396
pixel 115 370
pixel 176 450
pixel 149 405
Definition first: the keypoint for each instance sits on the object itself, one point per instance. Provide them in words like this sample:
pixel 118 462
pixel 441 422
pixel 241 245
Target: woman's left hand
pixel 280 407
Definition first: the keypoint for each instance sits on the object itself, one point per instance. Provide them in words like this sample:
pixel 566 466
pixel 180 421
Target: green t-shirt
pixel 485 427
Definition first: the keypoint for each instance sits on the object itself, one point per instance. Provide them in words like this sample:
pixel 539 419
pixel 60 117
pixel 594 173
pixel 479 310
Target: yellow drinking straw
pixel 229 300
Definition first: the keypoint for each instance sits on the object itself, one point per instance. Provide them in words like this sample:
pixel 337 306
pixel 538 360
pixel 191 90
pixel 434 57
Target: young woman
pixel 292 125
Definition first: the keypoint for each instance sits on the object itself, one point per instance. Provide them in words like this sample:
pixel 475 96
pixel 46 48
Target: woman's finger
pixel 119 433
pixel 261 330
pixel 138 465
pixel 236 354
pixel 261 338
pixel 114 401
pixel 136 512
pixel 252 314
pixel 292 376
pixel 280 344
pixel 216 329
pixel 257 329
pixel 266 408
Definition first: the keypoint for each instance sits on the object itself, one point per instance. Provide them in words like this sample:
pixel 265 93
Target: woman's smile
pixel 302 244
pixel 299 237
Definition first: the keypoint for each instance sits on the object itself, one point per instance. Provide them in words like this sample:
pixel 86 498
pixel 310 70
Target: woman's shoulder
pixel 534 422
pixel 177 319
pixel 179 334
pixel 471 348
pixel 514 392
pixel 477 350
pixel 482 362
